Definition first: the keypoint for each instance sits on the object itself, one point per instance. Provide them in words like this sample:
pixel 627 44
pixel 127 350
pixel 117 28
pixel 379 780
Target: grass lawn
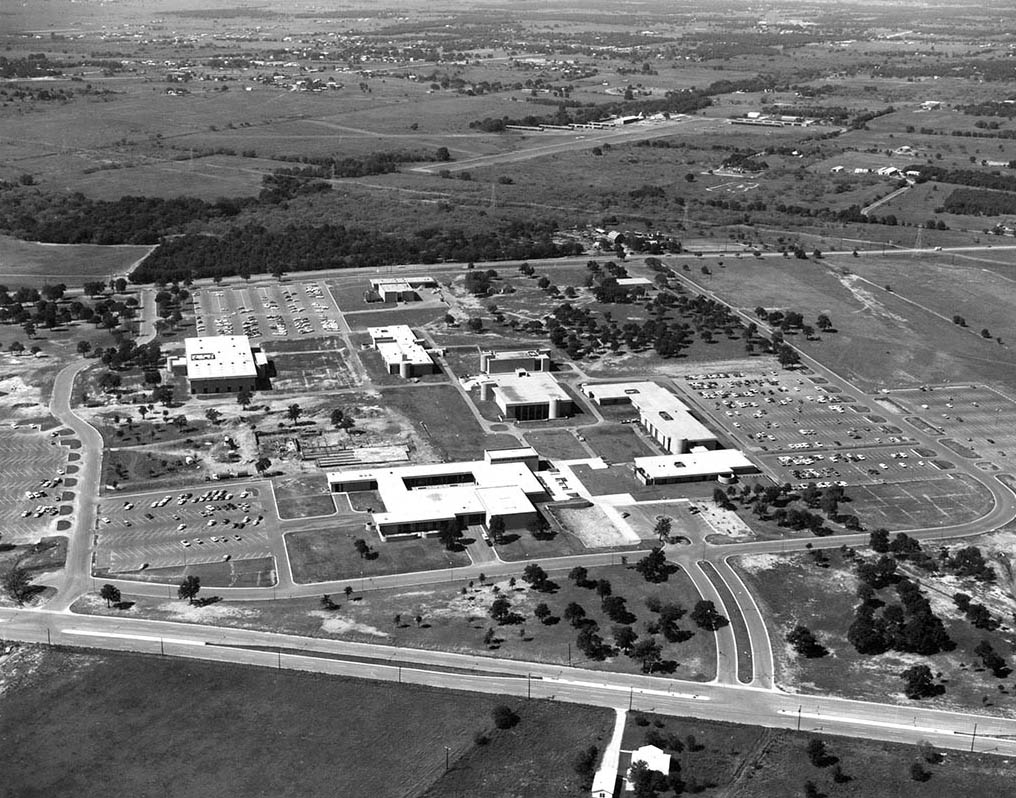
pixel 557 444
pixel 406 314
pixel 441 414
pixel 453 620
pixel 323 555
pixel 918 504
pixel 824 601
pixel 27 263
pixel 303 495
pixel 143 470
pixel 753 762
pixel 235 573
pixel 617 444
pixel 239 730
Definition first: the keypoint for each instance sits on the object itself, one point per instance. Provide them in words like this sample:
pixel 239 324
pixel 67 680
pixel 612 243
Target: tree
pixel 262 465
pixel 17 584
pixel 805 643
pixel 585 765
pixel 244 396
pixel 111 593
pixel 501 610
pixel 535 576
pixel 823 322
pixel 625 637
pixel 818 754
pixel 542 612
pixel 918 683
pixel 704 614
pixel 348 591
pixel 442 154
pixel 579 575
pixel 17 347
pixel 504 716
pixel 84 347
pixel 449 533
pixel 647 652
pixel 787 356
pixel 879 540
pixel 496 528
pixel 213 415
pixel 654 566
pixel 574 613
pixel 361 547
pixel 189 588
pixel 662 528
pixel 918 772
pixel 294 411
pixel 338 415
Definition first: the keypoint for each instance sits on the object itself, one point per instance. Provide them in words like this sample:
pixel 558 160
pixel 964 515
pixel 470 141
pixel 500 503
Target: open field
pixel 882 339
pixel 921 504
pixel 753 762
pixel 303 496
pixel 824 601
pixel 26 263
pixel 338 729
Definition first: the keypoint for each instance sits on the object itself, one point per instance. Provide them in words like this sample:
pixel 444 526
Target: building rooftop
pixel 655 758
pixel 218 357
pixel 399 344
pixel 531 387
pixel 664 410
pixel 693 464
pixel 498 488
pixel 632 282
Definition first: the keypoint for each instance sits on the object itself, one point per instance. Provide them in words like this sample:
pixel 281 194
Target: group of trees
pixel 257 249
pixel 775 503
pixel 48 308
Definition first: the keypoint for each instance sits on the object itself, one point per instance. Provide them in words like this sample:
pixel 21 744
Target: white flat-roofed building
pixel 654 758
pixel 528 396
pixel 510 361
pixel 419 499
pixel 219 364
pixel 634 282
pixel 402 352
pixel 696 466
pixel 664 415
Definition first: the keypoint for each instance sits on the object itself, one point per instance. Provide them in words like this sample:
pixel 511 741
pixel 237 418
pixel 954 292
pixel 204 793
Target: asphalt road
pixel 909 724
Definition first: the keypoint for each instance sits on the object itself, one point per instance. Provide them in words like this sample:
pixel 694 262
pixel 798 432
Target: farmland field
pixel 338 729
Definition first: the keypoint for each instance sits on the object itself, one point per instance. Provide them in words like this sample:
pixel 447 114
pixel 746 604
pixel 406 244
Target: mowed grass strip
pixel 83 724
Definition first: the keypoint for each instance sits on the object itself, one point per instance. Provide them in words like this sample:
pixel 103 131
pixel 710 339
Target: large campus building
pixel 219 364
pixel 720 464
pixel 664 416
pixel 420 499
pixel 398 289
pixel 402 351
pixel 510 361
pixel 527 396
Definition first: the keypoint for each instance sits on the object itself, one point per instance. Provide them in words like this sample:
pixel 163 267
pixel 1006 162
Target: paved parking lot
pixel 268 311
pixel 863 466
pixel 776 411
pixel 31 462
pixel 200 525
pixel 974 416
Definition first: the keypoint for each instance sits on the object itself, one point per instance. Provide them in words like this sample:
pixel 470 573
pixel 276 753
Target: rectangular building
pixel 403 353
pixel 698 466
pixel 510 361
pixel 219 364
pixel 664 416
pixel 420 499
pixel 400 289
pixel 528 396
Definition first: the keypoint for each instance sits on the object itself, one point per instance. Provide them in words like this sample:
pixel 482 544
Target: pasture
pixel 27 263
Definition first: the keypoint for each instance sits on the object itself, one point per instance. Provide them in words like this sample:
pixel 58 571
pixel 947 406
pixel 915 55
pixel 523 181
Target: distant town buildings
pixel 219 364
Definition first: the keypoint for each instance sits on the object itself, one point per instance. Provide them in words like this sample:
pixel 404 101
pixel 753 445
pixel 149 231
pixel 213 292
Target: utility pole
pixel 447 754
pixel 973 737
pixel 799 718
pixel 529 686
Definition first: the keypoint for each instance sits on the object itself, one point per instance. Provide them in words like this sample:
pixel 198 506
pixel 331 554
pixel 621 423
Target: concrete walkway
pixel 606 776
